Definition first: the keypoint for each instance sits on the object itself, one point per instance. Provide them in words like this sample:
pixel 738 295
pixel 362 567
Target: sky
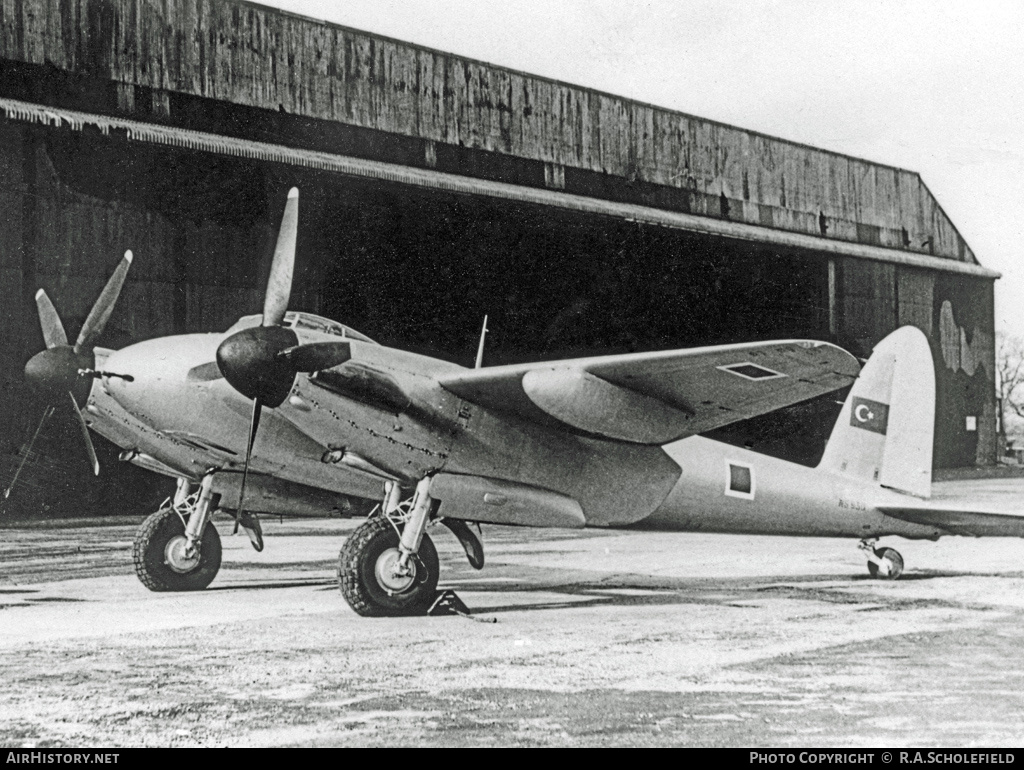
pixel 934 86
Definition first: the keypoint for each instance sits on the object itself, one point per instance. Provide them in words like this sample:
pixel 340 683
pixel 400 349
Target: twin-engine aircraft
pixel 288 412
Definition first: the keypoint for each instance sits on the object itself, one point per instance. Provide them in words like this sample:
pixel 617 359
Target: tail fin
pixel 884 433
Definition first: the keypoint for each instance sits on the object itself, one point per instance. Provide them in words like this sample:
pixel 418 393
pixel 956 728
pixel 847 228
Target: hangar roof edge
pixel 389 172
pixel 601 92
pixel 556 81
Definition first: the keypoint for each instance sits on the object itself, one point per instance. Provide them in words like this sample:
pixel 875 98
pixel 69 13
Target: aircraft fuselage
pixel 723 488
pixel 383 414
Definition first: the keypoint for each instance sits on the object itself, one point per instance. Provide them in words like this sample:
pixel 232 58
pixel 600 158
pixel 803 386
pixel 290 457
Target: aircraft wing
pixel 958 521
pixel 654 398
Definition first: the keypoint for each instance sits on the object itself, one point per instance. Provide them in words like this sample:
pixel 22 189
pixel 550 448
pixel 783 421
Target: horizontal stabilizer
pixel 958 521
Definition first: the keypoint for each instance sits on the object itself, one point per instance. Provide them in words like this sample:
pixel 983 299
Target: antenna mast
pixel 480 348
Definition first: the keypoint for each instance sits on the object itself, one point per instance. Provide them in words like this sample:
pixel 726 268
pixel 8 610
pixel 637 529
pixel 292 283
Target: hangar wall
pixel 202 222
pixel 147 57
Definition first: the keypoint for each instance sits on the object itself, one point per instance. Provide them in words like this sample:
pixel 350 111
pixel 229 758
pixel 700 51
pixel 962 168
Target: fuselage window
pixel 740 480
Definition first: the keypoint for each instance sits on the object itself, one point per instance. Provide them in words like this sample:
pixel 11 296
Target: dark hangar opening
pixel 414 268
pixel 410 267
pixel 420 268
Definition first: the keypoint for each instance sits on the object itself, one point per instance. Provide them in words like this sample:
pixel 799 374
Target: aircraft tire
pixel 155 537
pixel 373 543
pixel 895 559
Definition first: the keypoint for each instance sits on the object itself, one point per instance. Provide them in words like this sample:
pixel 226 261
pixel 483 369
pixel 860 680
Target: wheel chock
pixel 449 603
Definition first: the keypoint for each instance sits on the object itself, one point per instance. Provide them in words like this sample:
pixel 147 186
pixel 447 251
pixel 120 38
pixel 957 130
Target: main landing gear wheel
pixel 892 563
pixel 162 560
pixel 367 578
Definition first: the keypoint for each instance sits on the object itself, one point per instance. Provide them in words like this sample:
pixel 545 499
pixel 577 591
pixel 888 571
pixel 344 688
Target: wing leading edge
pixel 655 398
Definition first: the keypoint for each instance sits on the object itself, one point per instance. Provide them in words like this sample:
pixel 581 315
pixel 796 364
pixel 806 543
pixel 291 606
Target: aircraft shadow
pixel 624 592
pixel 697 592
pixel 585 596
pixel 259 585
pixel 931 574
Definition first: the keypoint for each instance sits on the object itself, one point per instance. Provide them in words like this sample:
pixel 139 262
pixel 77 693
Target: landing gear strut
pixel 883 563
pixel 177 548
pixel 389 566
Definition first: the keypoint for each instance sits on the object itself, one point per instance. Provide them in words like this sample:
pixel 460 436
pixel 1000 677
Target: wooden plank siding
pixel 250 55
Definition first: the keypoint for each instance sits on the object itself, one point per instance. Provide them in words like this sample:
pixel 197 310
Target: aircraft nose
pixel 147 377
pixel 164 381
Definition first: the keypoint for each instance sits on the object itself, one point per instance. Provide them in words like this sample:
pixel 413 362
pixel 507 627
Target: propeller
pixel 63 370
pixel 261 362
pixel 249 359
pixel 254 425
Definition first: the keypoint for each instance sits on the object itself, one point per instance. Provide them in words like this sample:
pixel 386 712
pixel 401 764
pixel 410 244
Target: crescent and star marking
pixel 859 415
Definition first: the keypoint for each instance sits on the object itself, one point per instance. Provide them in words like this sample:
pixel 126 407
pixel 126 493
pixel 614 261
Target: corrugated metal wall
pixel 246 54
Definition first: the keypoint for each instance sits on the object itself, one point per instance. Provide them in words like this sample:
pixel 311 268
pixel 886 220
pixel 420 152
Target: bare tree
pixel 1010 367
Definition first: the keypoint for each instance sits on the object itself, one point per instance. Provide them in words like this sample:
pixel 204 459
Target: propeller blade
pixel 279 285
pixel 46 414
pixel 104 306
pixel 85 434
pixel 53 330
pixel 317 356
pixel 254 424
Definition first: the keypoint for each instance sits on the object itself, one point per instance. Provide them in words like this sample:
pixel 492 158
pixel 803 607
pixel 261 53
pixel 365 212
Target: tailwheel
pixel 164 559
pixel 889 565
pixel 370 574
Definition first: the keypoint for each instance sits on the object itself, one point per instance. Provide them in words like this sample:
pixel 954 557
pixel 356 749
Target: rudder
pixel 885 430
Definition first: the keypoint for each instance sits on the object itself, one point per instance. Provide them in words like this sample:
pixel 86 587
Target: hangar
pixel 436 189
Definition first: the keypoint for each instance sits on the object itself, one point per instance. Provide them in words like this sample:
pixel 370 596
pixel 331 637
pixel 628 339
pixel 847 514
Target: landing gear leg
pixel 392 498
pixel 415 527
pixel 389 566
pixel 177 548
pixel 883 563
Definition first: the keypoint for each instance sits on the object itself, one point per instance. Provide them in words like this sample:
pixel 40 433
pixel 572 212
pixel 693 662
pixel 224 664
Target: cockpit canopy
pixel 300 320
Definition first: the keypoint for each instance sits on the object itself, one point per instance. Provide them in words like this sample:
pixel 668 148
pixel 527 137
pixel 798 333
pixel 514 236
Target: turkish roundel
pixel 869 415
